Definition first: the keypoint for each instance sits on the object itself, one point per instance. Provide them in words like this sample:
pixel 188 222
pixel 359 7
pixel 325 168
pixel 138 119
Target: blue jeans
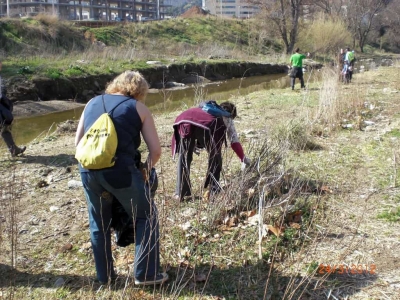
pixel 128 187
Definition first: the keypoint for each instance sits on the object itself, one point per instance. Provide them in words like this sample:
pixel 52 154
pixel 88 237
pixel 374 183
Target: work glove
pixel 245 163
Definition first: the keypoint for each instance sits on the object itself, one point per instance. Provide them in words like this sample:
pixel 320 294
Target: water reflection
pixel 169 100
pixel 26 130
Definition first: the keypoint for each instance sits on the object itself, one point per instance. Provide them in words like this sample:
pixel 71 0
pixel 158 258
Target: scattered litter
pixel 369 123
pixel 72 184
pixel 186 226
pixel 153 62
pixel 254 220
pixel 54 208
pixel 347 126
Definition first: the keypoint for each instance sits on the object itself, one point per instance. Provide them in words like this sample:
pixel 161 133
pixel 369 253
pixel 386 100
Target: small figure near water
pixel 6 119
pixel 296 62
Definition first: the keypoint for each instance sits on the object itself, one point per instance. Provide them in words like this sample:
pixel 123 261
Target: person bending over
pixel 195 128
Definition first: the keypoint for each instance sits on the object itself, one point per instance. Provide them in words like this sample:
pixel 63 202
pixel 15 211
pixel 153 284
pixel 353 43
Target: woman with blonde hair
pixel 124 181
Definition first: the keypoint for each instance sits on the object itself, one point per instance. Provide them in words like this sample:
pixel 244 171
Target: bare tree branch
pixel 285 14
pixel 361 14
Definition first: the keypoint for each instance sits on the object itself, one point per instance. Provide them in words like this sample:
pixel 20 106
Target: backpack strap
pixel 112 110
pixel 104 106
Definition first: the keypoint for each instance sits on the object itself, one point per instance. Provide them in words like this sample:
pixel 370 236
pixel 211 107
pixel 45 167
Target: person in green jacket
pixel 351 59
pixel 350 56
pixel 296 62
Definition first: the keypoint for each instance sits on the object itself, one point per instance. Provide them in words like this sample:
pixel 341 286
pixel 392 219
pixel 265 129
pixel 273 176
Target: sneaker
pixel 17 151
pixel 159 279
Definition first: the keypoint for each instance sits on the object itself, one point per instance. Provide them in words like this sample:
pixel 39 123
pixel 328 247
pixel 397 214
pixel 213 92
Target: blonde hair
pixel 129 83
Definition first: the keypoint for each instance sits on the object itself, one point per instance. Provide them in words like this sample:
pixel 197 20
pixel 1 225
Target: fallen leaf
pixel 294 217
pixel 230 222
pixel 206 196
pixel 250 192
pixel 226 230
pixel 87 245
pixel 248 213
pixel 295 225
pixel 326 189
pixel 275 230
pixel 66 247
pixel 184 264
pixel 124 260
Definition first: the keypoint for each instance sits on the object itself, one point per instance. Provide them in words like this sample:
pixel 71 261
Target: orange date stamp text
pixel 347 269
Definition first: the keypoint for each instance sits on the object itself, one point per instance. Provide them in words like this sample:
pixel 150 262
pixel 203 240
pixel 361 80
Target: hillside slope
pixel 45 35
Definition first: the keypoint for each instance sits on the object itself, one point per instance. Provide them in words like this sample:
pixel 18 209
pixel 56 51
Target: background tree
pixel 315 39
pixel 360 15
pixel 330 7
pixel 387 28
pixel 285 15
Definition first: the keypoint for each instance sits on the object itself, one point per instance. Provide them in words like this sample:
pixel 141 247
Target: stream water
pixel 27 129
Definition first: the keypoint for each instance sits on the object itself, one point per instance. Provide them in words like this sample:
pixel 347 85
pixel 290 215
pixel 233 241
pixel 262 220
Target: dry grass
pixel 321 204
pixel 47 19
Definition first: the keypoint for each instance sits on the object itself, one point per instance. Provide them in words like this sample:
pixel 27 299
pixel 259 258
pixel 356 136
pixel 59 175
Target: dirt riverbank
pixel 33 108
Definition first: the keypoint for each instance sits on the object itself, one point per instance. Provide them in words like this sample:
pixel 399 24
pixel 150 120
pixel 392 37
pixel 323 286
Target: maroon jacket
pixel 197 117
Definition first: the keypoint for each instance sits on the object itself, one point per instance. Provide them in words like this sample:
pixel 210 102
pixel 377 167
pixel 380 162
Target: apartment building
pixel 107 10
pixel 230 8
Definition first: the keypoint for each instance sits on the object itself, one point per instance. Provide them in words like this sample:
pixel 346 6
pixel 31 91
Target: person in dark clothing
pixel 124 182
pixel 195 128
pixel 6 119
